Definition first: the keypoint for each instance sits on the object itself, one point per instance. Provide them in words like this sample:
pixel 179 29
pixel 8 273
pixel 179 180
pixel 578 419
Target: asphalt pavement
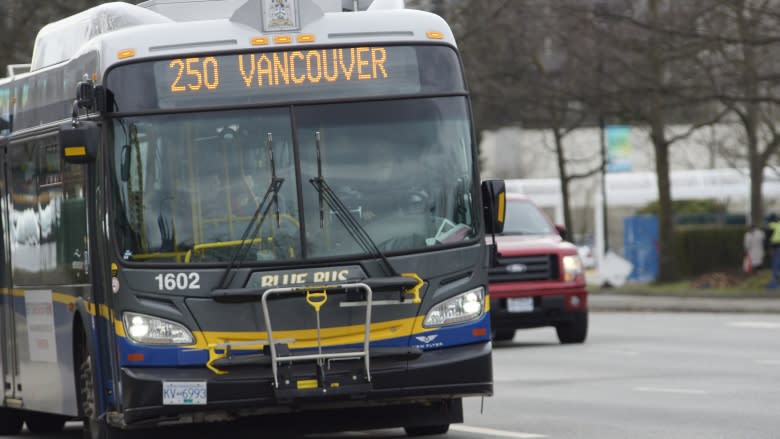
pixel 640 376
pixel 604 301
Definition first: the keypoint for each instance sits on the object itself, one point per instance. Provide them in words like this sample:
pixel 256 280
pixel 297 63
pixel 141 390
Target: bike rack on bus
pixel 316 296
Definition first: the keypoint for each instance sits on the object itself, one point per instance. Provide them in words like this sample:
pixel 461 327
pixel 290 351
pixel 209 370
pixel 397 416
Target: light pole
pixel 600 10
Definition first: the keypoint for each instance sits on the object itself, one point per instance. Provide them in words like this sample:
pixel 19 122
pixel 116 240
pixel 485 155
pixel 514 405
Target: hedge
pixel 705 249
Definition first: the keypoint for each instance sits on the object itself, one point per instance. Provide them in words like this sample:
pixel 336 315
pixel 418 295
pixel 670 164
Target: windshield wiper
pixel 261 212
pixel 353 227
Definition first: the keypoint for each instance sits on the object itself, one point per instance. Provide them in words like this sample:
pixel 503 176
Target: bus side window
pixel 5 110
pixel 23 212
pixel 62 217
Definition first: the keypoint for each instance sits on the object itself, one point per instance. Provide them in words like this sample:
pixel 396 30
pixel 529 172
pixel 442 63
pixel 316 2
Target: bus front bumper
pixel 435 376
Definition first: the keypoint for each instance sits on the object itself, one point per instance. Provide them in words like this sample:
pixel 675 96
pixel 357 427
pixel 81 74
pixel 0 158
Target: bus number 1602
pixel 178 281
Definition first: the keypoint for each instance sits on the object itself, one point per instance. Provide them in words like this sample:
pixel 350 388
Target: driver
pixel 418 202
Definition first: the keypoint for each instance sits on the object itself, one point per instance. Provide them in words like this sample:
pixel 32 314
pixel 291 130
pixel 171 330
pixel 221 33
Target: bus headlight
pixel 154 330
pixel 461 308
pixel 572 267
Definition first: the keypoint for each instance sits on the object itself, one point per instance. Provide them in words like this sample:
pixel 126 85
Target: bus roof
pixel 157 28
pixel 188 10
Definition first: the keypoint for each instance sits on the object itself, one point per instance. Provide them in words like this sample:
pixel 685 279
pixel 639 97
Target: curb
pixel 604 302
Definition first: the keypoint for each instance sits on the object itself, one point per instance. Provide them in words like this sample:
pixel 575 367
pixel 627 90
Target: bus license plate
pixel 520 304
pixel 184 393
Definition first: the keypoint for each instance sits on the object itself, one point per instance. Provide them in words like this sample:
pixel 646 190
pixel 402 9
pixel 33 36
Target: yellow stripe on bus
pixel 307 338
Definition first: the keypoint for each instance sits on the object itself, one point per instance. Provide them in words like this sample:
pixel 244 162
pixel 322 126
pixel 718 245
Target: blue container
pixel 640 247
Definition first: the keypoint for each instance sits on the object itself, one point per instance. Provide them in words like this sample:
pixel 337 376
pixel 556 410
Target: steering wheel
pixel 400 243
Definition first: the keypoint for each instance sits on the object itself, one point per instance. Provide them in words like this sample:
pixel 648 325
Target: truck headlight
pixel 461 308
pixel 154 330
pixel 572 267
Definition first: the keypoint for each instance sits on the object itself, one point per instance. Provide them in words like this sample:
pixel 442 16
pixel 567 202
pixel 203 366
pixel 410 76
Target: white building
pixel 705 165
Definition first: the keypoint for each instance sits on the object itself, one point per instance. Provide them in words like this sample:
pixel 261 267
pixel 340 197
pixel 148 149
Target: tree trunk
pixel 756 198
pixel 666 265
pixel 755 164
pixel 750 119
pixel 564 178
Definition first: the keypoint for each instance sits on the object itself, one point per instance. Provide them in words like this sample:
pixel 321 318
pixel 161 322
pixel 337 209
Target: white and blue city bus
pixel 225 209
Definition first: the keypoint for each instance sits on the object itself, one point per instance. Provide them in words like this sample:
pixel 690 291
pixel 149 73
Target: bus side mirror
pixel 494 205
pixel 85 94
pixel 80 143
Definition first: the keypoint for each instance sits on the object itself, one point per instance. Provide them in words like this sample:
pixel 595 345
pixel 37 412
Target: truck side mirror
pixel 79 143
pixel 494 205
pixel 561 230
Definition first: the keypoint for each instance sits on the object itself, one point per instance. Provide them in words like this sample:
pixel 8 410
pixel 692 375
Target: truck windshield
pixel 187 185
pixel 524 218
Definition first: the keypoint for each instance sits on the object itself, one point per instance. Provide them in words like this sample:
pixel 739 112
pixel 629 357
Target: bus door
pixel 9 363
pixel 42 277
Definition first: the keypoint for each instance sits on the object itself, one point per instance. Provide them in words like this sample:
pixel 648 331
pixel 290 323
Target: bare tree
pixel 520 72
pixel 648 58
pixel 744 73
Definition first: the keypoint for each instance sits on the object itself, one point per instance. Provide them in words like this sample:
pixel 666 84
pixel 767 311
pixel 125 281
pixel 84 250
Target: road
pixel 640 375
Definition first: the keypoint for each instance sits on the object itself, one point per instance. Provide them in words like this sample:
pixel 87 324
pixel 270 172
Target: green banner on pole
pixel 618 148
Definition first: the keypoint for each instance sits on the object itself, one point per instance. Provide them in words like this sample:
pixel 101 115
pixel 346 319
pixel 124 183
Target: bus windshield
pixel 187 185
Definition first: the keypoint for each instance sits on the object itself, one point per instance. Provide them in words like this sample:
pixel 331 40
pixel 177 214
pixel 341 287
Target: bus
pixel 229 210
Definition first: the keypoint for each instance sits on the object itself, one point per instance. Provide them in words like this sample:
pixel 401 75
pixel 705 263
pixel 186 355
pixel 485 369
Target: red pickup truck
pixel 536 278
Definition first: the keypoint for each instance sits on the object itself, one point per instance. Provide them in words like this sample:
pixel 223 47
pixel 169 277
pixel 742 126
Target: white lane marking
pixel 756 325
pixel 768 362
pixel 494 432
pixel 671 390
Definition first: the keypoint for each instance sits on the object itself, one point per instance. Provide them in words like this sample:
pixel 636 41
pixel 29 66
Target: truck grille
pixel 542 267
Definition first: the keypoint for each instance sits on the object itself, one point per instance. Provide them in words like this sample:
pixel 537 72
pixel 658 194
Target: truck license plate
pixel 184 393
pixel 520 304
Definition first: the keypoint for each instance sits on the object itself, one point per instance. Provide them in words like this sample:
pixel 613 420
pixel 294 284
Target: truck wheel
pixel 42 423
pixel 503 334
pixel 428 430
pixel 10 422
pixel 574 331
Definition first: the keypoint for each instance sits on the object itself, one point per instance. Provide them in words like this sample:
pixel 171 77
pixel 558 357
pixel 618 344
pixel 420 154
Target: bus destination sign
pixel 284 76
pixel 279 69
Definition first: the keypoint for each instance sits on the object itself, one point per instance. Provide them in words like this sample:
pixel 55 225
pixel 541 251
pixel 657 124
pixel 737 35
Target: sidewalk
pixel 654 303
